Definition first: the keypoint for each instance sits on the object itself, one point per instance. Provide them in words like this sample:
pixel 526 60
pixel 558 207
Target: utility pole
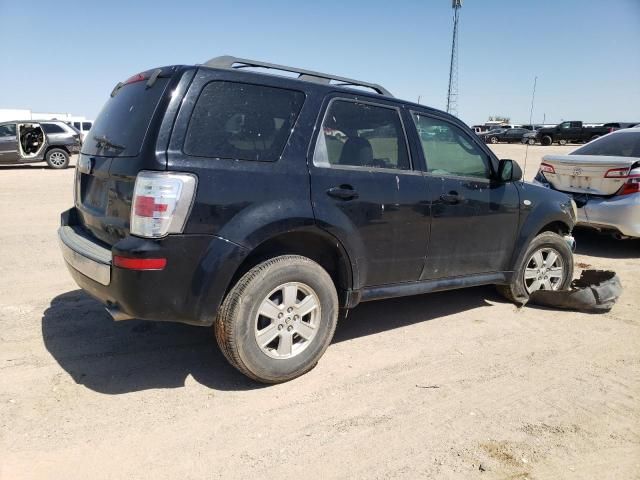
pixel 452 92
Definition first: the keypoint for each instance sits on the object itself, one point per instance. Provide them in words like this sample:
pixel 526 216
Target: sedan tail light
pixel 632 185
pixel 546 168
pixel 161 203
pixel 616 173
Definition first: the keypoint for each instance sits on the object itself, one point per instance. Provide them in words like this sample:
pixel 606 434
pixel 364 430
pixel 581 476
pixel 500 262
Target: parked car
pixel 216 195
pixel 604 179
pixel 83 127
pixel 510 135
pixel 30 141
pixel 530 137
pixel 568 132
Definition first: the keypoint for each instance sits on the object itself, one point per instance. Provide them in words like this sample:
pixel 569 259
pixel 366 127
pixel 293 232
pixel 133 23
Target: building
pixel 26 114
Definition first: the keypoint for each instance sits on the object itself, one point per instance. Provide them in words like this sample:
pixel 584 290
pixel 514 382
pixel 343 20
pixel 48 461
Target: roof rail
pixel 231 62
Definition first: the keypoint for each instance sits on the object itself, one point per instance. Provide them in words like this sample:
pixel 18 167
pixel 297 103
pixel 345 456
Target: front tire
pixel 531 141
pixel 278 320
pixel 493 140
pixel 562 141
pixel 57 158
pixel 546 265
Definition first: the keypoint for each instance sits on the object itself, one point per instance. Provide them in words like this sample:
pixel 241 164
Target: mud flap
pixel 595 291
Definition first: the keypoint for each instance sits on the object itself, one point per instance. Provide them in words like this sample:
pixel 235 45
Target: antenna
pixel 526 151
pixel 452 91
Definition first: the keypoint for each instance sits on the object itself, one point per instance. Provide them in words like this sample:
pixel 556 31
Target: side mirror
pixel 509 171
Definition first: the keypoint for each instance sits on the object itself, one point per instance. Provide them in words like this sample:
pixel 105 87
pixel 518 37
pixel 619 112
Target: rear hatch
pixel 591 174
pixel 120 143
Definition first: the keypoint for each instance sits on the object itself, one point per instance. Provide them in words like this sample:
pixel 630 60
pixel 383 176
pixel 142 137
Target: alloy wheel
pixel 544 270
pixel 287 320
pixel 58 159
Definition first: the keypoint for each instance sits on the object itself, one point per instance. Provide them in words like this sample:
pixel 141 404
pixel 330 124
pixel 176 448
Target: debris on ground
pixel 595 291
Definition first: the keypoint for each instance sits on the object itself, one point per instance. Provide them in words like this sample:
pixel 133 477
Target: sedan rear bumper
pixel 621 213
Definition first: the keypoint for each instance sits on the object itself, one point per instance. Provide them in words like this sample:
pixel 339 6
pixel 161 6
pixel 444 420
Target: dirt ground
pixel 450 385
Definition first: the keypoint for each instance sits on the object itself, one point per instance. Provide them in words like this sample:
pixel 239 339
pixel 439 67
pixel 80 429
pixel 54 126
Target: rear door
pixel 474 219
pixel 365 191
pixel 122 142
pixel 8 143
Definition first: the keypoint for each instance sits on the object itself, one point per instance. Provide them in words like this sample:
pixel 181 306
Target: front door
pixel 367 194
pixel 474 218
pixel 8 143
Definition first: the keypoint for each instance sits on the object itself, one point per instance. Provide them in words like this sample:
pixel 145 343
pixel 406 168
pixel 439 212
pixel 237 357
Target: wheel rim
pixel 57 159
pixel 544 270
pixel 532 142
pixel 494 140
pixel 287 320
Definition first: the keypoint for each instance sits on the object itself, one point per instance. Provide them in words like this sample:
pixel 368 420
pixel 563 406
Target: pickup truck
pixel 571 131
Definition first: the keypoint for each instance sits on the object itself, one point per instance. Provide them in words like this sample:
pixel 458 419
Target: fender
pixel 224 258
pixel 545 207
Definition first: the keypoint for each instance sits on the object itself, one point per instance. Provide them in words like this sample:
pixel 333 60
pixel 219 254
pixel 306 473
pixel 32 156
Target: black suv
pixel 263 205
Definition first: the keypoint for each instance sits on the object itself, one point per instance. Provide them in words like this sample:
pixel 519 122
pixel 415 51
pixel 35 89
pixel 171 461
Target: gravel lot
pixel 450 385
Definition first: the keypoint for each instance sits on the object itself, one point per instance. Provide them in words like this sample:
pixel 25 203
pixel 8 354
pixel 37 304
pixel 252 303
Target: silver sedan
pixel 603 177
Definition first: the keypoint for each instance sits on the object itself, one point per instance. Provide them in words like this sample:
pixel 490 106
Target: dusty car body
pixel 603 177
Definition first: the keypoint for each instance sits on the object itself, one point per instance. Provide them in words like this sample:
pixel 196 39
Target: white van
pixel 83 127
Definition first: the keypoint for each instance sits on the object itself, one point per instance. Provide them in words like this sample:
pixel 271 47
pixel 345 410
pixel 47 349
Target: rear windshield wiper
pixel 103 141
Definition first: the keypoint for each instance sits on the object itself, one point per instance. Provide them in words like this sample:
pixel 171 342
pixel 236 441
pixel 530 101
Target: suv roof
pixel 234 63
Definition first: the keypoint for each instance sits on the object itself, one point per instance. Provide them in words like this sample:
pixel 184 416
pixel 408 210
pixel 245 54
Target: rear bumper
pixel 188 290
pixel 621 213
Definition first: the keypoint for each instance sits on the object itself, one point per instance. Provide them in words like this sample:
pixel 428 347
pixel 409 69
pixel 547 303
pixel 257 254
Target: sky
pixel 66 56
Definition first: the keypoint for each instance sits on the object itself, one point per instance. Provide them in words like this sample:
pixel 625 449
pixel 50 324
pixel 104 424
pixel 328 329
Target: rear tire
pixel 262 328
pixel 57 158
pixel 517 291
pixel 562 142
pixel 546 140
pixel 493 140
pixel 531 141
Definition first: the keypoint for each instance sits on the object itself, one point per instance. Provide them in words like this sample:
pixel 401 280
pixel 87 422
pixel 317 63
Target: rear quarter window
pixel 242 121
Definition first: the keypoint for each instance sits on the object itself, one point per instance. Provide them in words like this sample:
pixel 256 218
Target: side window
pixel 361 135
pixel 86 126
pixel 242 121
pixel 77 125
pixel 448 151
pixel 8 130
pixel 565 125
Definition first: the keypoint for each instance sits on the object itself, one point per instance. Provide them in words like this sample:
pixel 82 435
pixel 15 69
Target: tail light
pixel 546 168
pixel 616 173
pixel 630 186
pixel 161 203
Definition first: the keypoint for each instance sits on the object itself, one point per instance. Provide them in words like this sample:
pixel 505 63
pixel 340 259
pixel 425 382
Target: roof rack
pixel 230 62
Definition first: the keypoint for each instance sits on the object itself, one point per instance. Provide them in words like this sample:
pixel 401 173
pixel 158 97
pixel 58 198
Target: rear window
pixel 620 144
pixel 124 119
pixel 242 121
pixel 52 128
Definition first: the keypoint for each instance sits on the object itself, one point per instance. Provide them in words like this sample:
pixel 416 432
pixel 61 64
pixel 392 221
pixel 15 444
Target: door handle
pixel 343 192
pixel 451 198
